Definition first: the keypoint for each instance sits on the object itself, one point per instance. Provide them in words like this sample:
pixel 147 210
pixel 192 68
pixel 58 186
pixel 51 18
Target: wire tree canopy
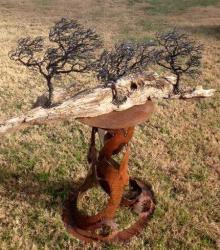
pixel 178 53
pixel 71 49
pixel 123 59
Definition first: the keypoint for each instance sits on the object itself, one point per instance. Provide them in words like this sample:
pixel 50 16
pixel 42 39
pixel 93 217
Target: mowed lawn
pixel 177 151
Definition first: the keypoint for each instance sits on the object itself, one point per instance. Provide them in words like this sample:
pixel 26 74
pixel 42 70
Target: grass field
pixel 178 151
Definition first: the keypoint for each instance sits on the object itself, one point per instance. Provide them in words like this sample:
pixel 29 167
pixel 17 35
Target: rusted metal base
pixel 141 202
pixel 112 177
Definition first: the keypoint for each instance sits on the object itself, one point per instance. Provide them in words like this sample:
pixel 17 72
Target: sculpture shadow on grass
pixel 47 192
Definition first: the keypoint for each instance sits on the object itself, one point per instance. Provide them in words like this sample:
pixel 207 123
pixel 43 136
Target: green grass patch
pixel 207 241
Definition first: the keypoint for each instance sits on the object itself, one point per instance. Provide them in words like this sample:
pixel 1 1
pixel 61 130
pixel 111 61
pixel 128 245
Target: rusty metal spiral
pixel 113 178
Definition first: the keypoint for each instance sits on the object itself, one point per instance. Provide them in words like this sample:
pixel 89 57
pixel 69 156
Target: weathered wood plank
pixel 97 101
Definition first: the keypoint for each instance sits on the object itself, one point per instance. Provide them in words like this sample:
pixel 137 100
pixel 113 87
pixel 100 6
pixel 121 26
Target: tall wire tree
pixel 123 59
pixel 179 54
pixel 71 49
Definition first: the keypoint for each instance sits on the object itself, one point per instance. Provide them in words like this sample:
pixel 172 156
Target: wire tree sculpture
pixel 122 60
pixel 178 53
pixel 71 49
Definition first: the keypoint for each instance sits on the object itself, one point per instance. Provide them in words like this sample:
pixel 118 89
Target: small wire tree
pixel 121 60
pixel 72 50
pixel 179 54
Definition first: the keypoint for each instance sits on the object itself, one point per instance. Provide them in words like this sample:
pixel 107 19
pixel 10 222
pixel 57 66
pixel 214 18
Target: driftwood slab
pixel 93 102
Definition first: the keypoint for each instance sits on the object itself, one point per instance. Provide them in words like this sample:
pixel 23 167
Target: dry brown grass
pixel 178 151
